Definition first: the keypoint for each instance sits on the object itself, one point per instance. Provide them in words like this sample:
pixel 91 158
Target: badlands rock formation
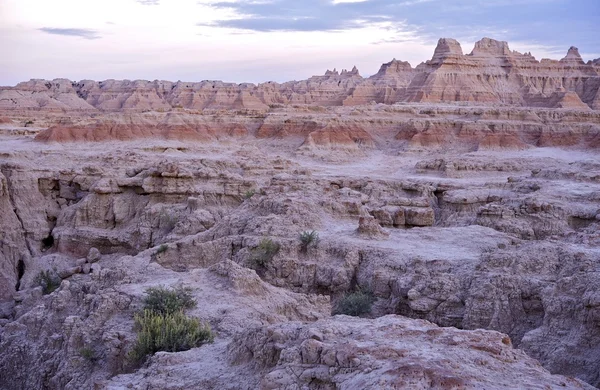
pixel 491 73
pixel 466 202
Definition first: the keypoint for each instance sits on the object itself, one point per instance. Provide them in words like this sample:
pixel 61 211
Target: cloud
pixel 310 15
pixel 460 19
pixel 73 32
pixel 148 2
pixel 348 1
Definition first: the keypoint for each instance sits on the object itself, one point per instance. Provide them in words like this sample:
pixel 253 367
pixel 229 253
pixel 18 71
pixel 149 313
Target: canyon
pixel 463 195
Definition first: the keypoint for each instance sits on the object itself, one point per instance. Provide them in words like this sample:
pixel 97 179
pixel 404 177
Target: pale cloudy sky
pixel 262 40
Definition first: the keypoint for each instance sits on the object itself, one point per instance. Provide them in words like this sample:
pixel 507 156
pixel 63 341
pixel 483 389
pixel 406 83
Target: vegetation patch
pixel 168 301
pixel 48 280
pixel 308 239
pixel 173 332
pixel 162 249
pixel 163 325
pixel 88 354
pixel 356 304
pixel 263 254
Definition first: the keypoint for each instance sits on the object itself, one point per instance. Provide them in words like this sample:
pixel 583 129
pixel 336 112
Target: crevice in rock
pixel 577 223
pixel 20 273
pixel 437 201
pixel 48 242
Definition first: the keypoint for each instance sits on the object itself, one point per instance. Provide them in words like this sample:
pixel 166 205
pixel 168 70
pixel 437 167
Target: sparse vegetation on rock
pixel 165 301
pixel 356 304
pixel 162 249
pixel 164 326
pixel 172 332
pixel 88 353
pixel 48 280
pixel 263 254
pixel 308 239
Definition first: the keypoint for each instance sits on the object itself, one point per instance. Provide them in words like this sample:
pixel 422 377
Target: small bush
pixel 48 280
pixel 173 332
pixel 168 301
pixel 162 249
pixel 249 194
pixel 308 239
pixel 88 354
pixel 264 252
pixel 355 304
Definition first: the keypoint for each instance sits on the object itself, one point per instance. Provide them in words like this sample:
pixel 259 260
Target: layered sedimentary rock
pixel 491 73
pixel 400 127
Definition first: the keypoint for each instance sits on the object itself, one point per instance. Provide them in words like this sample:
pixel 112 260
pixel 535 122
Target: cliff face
pixel 491 73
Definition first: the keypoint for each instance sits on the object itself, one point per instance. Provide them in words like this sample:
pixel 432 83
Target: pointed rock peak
pixel 573 56
pixel 394 66
pixel 445 48
pixel 573 52
pixel 354 70
pixel 488 46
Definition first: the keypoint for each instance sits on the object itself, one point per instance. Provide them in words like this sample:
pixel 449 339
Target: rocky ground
pixel 498 246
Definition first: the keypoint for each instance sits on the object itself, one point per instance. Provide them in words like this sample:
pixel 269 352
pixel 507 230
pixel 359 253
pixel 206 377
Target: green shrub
pixel 264 252
pixel 48 280
pixel 355 304
pixel 308 239
pixel 249 194
pixel 172 332
pixel 164 301
pixel 161 249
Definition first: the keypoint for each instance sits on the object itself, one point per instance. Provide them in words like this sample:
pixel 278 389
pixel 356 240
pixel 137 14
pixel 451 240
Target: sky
pixel 270 40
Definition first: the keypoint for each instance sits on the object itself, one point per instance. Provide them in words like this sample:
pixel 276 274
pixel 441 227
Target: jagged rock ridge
pixel 491 73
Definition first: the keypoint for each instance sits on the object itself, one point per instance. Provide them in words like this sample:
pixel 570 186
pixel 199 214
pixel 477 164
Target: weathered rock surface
pixel 502 241
pixel 390 352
